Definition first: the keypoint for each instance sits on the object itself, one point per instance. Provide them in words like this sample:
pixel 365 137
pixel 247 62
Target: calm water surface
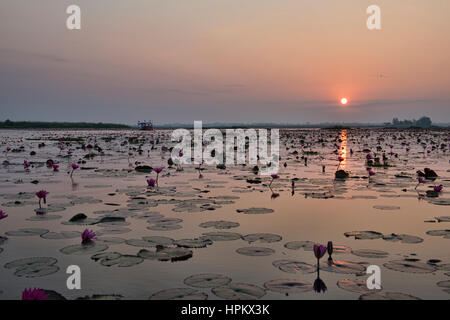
pixel 319 209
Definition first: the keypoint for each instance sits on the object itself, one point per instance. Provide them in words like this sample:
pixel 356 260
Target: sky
pixel 176 61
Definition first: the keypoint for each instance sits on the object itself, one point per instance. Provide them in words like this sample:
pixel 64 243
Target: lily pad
pixel 288 286
pixel 219 224
pixel 239 291
pixel 207 280
pixel 179 294
pixel 109 259
pixel 87 248
pixel 370 253
pixel 293 266
pixel 166 254
pixel 262 237
pixel 255 251
pixel 33 267
pixel 61 235
pixel 346 267
pixel 409 266
pixel 387 296
pixel 296 245
pixel 364 235
pixel 404 238
pixel 193 243
pixel 255 210
pixel 357 286
pixel 27 232
pixel 222 236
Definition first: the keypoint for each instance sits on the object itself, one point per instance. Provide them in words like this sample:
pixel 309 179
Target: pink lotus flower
pixel 8 149
pixel 26 164
pixel 74 167
pixel 368 156
pixel 274 176
pixel 371 172
pixel 3 214
pixel 87 236
pixel 151 182
pixel 341 159
pixel 42 195
pixel 180 154
pixel 158 170
pixel 438 188
pixel 55 167
pixel 34 294
pixel 319 251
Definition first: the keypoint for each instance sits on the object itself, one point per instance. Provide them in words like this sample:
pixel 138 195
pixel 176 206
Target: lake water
pixel 209 245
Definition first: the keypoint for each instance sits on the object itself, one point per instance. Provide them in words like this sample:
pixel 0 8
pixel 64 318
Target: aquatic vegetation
pixel 42 195
pixel 288 286
pixel 74 167
pixel 87 236
pixel 3 214
pixel 34 294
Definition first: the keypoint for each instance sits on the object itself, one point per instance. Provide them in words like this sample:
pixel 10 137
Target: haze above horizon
pixel 250 61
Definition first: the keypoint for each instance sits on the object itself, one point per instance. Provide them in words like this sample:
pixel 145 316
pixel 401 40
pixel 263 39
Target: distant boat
pixel 145 125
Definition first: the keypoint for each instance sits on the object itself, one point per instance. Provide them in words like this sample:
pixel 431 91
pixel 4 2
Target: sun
pixel 344 101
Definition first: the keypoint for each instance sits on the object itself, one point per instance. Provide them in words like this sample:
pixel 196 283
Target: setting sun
pixel 344 101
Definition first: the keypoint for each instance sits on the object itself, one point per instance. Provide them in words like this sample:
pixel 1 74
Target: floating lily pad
pixel 409 266
pixel 262 237
pixel 33 267
pixel 61 235
pixel 404 238
pixel 155 240
pixel 219 224
pixel 293 266
pixel 193 243
pixel 166 254
pixel 113 230
pixel 357 286
pixel 346 267
pixel 111 240
pixel 27 232
pixel 364 235
pixel 239 291
pixel 207 280
pixel 387 296
pixel 255 251
pixel 164 227
pixel 87 248
pixel 43 217
pixel 222 236
pixel 109 259
pixel 386 207
pixel 440 233
pixel 370 253
pixel 288 286
pixel 296 245
pixel 179 294
pixel 255 210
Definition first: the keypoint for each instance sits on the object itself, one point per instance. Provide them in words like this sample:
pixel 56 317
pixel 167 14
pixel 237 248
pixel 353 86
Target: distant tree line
pixel 424 122
pixel 8 124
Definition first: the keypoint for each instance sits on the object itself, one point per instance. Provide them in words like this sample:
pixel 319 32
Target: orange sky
pixel 217 60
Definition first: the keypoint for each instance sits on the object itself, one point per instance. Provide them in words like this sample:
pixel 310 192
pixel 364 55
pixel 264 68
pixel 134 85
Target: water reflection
pixel 343 148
